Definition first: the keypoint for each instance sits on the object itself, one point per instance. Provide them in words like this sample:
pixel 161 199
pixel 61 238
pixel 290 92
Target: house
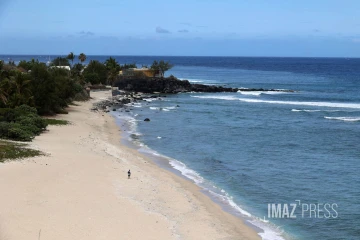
pixel 62 67
pixel 146 72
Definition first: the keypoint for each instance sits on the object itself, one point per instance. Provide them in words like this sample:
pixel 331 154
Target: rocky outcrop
pixel 174 85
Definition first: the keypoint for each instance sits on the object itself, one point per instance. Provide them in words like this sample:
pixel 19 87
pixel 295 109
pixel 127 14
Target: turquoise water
pixel 253 149
pixel 248 150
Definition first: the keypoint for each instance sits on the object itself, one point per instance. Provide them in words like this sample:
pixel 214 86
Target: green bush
pixel 4 129
pixel 95 72
pixel 24 110
pixel 15 131
pixel 29 124
pixel 20 133
pixel 51 121
pixel 21 123
pixel 92 78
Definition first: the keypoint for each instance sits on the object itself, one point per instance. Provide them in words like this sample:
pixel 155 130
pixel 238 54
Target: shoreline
pixel 80 190
pixel 217 195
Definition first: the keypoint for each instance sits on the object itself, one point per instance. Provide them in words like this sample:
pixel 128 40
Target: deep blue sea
pixel 251 149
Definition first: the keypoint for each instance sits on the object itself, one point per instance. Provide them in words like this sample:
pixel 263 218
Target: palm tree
pixel 164 66
pixel 21 89
pixel 4 79
pixel 112 64
pixel 112 75
pixel 71 57
pixel 3 90
pixel 82 57
pixel 113 68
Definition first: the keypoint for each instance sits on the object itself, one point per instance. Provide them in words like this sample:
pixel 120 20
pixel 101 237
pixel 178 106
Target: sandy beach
pixel 80 190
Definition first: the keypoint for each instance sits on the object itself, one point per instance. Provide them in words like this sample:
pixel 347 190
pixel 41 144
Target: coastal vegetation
pixel 161 67
pixel 21 123
pixel 60 61
pixel 12 150
pixel 82 57
pixel 71 57
pixel 51 121
pixel 32 89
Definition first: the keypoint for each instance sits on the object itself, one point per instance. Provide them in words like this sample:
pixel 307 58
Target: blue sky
pixel 321 28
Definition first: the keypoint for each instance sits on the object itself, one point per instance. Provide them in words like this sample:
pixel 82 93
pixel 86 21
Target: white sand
pixel 81 191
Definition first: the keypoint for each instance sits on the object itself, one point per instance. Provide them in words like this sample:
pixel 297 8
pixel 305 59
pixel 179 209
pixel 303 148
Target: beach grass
pixel 11 151
pixel 51 121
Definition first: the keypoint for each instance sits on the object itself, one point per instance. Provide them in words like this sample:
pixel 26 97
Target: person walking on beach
pixel 129 174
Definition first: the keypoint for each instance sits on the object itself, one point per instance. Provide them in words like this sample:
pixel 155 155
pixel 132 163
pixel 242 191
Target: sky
pixel 281 28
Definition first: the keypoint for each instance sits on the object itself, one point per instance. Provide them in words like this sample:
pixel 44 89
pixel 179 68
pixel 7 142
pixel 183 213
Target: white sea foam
pixel 166 109
pixel 187 172
pixel 317 104
pixel 345 119
pixel 137 105
pixel 194 80
pixel 304 110
pixel 150 99
pixel 225 198
pixel 258 93
pixel 251 93
pixel 270 232
pixel 218 97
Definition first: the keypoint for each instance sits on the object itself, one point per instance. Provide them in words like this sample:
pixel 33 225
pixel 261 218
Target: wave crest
pixel 345 119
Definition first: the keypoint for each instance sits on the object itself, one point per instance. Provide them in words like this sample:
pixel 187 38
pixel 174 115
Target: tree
pixel 24 64
pixel 127 66
pixel 71 57
pixel 82 57
pixel 4 83
pixel 60 61
pixel 43 89
pixel 20 90
pixel 164 66
pixel 113 68
pixel 64 87
pixel 3 88
pixel 161 66
pixel 95 72
pixel 76 70
pixel 27 65
pixel 111 64
pixel 112 75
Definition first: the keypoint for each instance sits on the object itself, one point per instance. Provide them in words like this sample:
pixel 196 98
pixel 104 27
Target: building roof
pixel 62 67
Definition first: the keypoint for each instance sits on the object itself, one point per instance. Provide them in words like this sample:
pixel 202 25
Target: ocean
pixel 286 162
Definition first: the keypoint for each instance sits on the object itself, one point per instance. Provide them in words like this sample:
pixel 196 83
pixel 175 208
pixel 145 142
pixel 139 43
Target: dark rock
pixel 173 85
pixel 147 120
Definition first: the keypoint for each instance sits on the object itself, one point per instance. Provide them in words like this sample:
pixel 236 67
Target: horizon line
pixel 214 56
